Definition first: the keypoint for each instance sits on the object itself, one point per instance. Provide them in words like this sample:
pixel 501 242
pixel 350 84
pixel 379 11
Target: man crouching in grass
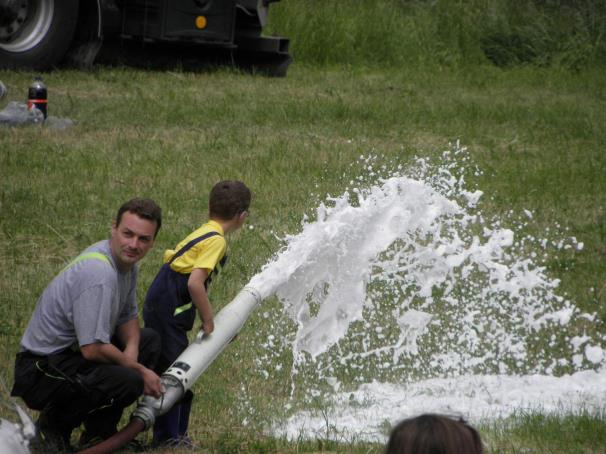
pixel 83 357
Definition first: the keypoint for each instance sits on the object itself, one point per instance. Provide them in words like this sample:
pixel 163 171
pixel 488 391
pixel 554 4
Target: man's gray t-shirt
pixel 83 305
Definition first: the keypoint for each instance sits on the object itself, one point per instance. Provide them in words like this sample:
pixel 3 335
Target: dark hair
pixel 434 434
pixel 144 208
pixel 228 199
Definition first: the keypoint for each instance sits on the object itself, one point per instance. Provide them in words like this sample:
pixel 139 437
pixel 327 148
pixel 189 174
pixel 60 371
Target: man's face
pixel 131 239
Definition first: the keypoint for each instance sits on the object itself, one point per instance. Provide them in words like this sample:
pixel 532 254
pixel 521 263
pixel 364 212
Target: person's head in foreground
pixel 434 434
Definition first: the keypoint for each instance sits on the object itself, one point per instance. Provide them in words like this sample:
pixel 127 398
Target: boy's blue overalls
pixel 169 310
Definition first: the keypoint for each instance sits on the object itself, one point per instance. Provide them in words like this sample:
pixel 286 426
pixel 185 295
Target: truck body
pixel 40 34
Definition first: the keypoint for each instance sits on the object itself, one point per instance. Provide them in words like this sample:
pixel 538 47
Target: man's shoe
pixel 50 439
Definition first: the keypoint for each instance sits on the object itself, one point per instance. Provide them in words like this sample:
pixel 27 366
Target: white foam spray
pixel 402 287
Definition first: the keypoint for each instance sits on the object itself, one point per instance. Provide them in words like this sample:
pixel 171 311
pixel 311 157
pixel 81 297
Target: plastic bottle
pixel 37 96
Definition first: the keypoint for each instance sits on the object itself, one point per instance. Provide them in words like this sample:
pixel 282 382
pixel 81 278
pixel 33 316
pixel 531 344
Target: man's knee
pixel 124 387
pixel 110 382
pixel 131 387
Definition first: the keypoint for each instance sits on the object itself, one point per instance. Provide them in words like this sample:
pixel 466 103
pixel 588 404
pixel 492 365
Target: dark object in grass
pixel 37 96
pixel 17 114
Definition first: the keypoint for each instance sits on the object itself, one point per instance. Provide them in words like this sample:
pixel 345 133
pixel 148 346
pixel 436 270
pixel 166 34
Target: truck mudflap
pixel 264 55
pixel 88 37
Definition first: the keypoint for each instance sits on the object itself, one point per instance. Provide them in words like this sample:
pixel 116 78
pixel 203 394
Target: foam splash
pixel 368 412
pixel 404 279
pixel 334 255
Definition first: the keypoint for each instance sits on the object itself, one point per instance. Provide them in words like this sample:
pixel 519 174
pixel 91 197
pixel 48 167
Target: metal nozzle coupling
pixel 150 407
pixel 145 413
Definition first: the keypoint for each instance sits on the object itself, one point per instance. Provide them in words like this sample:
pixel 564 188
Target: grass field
pixel 537 131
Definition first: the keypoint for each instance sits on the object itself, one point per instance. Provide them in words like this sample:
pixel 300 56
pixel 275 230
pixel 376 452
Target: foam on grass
pixel 403 290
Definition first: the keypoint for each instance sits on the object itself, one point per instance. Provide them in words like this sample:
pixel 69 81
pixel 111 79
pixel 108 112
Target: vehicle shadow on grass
pixel 190 57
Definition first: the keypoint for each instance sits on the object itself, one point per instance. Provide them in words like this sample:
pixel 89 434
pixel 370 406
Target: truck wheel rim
pixel 30 26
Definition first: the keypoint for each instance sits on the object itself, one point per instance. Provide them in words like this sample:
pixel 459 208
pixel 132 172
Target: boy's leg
pixel 166 426
pixel 185 410
pixel 149 348
pixel 174 341
pixel 174 424
pixel 163 298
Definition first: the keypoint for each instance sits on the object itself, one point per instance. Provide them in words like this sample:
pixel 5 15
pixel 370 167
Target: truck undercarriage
pixel 41 34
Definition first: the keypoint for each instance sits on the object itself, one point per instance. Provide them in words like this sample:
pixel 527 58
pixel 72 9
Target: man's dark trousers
pixel 70 390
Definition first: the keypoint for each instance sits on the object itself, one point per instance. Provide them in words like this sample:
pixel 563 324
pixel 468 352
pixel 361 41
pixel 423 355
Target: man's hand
pixel 108 353
pixel 152 386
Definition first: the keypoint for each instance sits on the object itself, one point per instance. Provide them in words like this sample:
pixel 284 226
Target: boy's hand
pixel 208 326
pixel 197 291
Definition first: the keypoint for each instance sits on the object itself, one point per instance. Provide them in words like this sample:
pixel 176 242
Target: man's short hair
pixel 144 208
pixel 227 199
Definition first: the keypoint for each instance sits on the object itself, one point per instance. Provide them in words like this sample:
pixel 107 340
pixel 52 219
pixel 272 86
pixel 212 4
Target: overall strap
pixel 182 251
pixel 191 244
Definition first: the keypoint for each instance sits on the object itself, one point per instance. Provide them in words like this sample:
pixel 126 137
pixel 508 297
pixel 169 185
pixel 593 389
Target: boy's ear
pixel 242 217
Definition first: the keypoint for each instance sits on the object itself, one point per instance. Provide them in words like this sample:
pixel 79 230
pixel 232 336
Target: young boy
pixel 180 290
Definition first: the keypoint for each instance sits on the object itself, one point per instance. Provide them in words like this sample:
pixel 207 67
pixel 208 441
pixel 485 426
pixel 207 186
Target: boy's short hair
pixel 144 208
pixel 228 199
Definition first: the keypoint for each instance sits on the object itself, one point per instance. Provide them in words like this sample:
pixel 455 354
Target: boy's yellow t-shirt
pixel 205 254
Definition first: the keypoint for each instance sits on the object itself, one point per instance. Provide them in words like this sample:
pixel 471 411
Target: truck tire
pixel 36 34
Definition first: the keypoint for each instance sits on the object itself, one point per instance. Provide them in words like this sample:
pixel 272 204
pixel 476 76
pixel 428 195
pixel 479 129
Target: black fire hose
pixel 119 439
